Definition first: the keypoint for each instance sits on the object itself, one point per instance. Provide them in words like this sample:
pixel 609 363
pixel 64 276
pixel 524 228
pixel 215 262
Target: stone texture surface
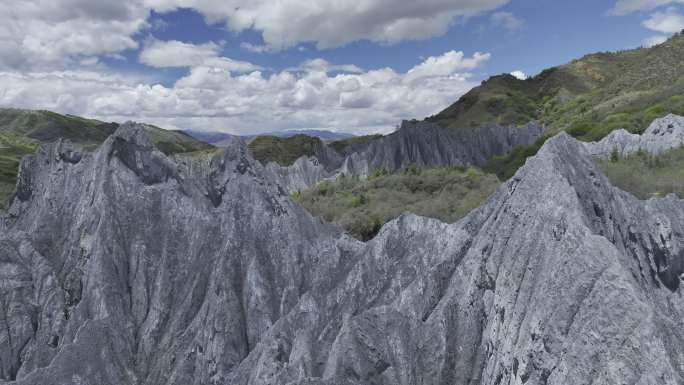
pixel 125 266
pixel 304 173
pixel 414 143
pixel 429 145
pixel 662 135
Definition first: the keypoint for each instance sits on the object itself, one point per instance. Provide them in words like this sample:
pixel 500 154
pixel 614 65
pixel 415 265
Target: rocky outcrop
pixel 662 135
pixel 304 173
pixel 129 267
pixel 425 144
pixel 421 144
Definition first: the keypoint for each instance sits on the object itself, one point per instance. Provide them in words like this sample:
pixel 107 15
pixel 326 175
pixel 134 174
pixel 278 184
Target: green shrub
pixel 378 173
pixel 615 155
pixel 645 175
pixel 363 206
pixel 359 200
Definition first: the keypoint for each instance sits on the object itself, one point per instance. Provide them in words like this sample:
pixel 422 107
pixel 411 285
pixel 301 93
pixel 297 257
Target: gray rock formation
pixel 662 135
pixel 426 144
pixel 304 173
pixel 129 267
pixel 420 144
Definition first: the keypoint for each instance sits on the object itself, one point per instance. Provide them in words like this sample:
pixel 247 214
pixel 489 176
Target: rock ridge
pixel 415 143
pixel 212 274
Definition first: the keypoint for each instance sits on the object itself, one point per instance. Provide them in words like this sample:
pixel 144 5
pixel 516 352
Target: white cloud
pixel 256 48
pixel 654 40
pixel 321 65
pixel 331 23
pixel 173 53
pixel 507 20
pixel 445 65
pixel 162 54
pixel 669 21
pixel 519 74
pixel 58 33
pixel 312 96
pixel 624 7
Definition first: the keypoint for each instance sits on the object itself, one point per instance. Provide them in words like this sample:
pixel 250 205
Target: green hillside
pixel 284 151
pixel 588 97
pixel 22 131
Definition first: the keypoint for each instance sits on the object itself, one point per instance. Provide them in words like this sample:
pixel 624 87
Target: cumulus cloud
pixel 57 33
pixel 624 7
pixel 173 53
pixel 215 98
pixel 669 21
pixel 519 74
pixel 445 65
pixel 507 20
pixel 331 23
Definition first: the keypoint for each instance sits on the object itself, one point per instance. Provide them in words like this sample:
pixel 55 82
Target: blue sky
pixel 551 33
pixel 245 66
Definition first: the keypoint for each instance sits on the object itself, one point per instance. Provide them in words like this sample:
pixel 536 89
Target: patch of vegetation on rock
pixel 284 151
pixel 363 206
pixel 646 175
pixel 355 144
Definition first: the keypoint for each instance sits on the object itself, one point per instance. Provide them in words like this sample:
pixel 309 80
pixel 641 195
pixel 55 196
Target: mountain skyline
pixel 249 67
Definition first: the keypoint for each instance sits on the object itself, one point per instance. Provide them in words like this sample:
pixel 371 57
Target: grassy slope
pixel 363 206
pixel 284 151
pixel 344 146
pixel 645 175
pixel 22 131
pixel 589 97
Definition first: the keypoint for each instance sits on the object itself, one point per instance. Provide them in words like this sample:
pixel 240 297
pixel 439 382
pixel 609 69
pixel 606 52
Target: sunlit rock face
pixel 125 266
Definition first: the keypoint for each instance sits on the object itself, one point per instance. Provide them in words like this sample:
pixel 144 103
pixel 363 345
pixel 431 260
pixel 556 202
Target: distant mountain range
pixel 214 137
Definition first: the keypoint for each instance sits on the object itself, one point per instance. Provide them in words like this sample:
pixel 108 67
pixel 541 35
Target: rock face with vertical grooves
pixel 125 266
pixel 426 144
pixel 422 144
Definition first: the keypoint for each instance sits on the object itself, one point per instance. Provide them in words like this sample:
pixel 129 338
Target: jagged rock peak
pixel 134 133
pixel 558 278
